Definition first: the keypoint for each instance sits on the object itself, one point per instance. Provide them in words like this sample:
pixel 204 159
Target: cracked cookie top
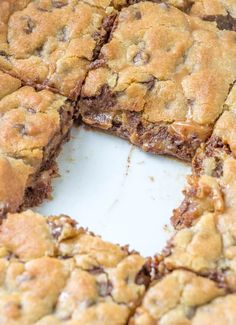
pixel 53 272
pixel 165 65
pixel 51 43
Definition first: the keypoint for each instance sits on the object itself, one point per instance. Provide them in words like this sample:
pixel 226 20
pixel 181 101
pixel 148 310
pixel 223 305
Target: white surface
pixel 116 190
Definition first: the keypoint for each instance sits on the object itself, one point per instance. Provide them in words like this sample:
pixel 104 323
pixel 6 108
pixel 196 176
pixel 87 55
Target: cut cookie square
pixel 33 126
pixel 185 298
pixel 207 246
pixel 63 274
pixel 205 241
pixel 162 79
pixel 50 43
pixel 210 161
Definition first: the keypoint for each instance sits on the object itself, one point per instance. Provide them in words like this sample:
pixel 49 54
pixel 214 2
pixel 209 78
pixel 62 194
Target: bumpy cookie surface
pixel 51 43
pixel 183 298
pixel 54 273
pixel 222 12
pixel 205 242
pixel 33 125
pixel 162 79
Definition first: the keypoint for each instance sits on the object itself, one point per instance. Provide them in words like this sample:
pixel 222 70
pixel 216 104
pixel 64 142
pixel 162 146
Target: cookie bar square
pixel 53 272
pixel 33 126
pixel 162 79
pixel 205 239
pixel 207 245
pixel 210 161
pixel 50 43
pixel 183 297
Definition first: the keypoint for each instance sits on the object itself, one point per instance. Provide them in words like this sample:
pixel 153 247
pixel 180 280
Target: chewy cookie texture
pixel 160 74
pixel 162 79
pixel 184 298
pixel 33 126
pixel 50 43
pixel 222 12
pixel 205 239
pixel 53 272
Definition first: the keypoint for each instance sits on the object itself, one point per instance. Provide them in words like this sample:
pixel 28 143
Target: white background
pixel 116 190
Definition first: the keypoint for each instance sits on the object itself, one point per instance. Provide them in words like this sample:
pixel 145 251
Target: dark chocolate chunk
pixel 29 24
pixel 21 128
pixel 138 15
pixel 59 3
pixel 223 22
pixel 96 270
pixel 105 288
pixel 143 276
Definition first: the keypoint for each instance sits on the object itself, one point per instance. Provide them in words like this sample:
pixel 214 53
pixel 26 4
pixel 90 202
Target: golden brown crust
pixel 158 67
pixel 51 43
pixel 204 8
pixel 207 245
pixel 55 273
pixel 33 125
pixel 183 298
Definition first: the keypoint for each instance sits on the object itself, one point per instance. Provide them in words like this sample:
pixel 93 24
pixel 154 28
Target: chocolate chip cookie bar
pixel 33 126
pixel 50 43
pixel 223 13
pixel 162 79
pixel 210 161
pixel 185 298
pixel 205 240
pixel 53 272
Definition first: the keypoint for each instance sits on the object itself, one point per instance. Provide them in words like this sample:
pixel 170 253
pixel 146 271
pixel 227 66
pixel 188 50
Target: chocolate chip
pixel 20 128
pixel 31 110
pixel 62 34
pixel 105 288
pixel 190 102
pixel 138 15
pixel 218 277
pixel 141 58
pixel 150 83
pixel 190 312
pixel 143 276
pixel 104 101
pixel 30 25
pixel 96 270
pixel 38 51
pixel 4 207
pixel 3 53
pixel 59 3
pixel 43 9
pixel 223 22
pixel 56 229
pixel 218 170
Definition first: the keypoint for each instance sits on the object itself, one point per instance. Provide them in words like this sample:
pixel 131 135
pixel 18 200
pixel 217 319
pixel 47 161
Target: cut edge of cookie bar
pixel 159 91
pixel 34 124
pixel 64 274
pixel 50 44
pixel 209 162
pixel 205 238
